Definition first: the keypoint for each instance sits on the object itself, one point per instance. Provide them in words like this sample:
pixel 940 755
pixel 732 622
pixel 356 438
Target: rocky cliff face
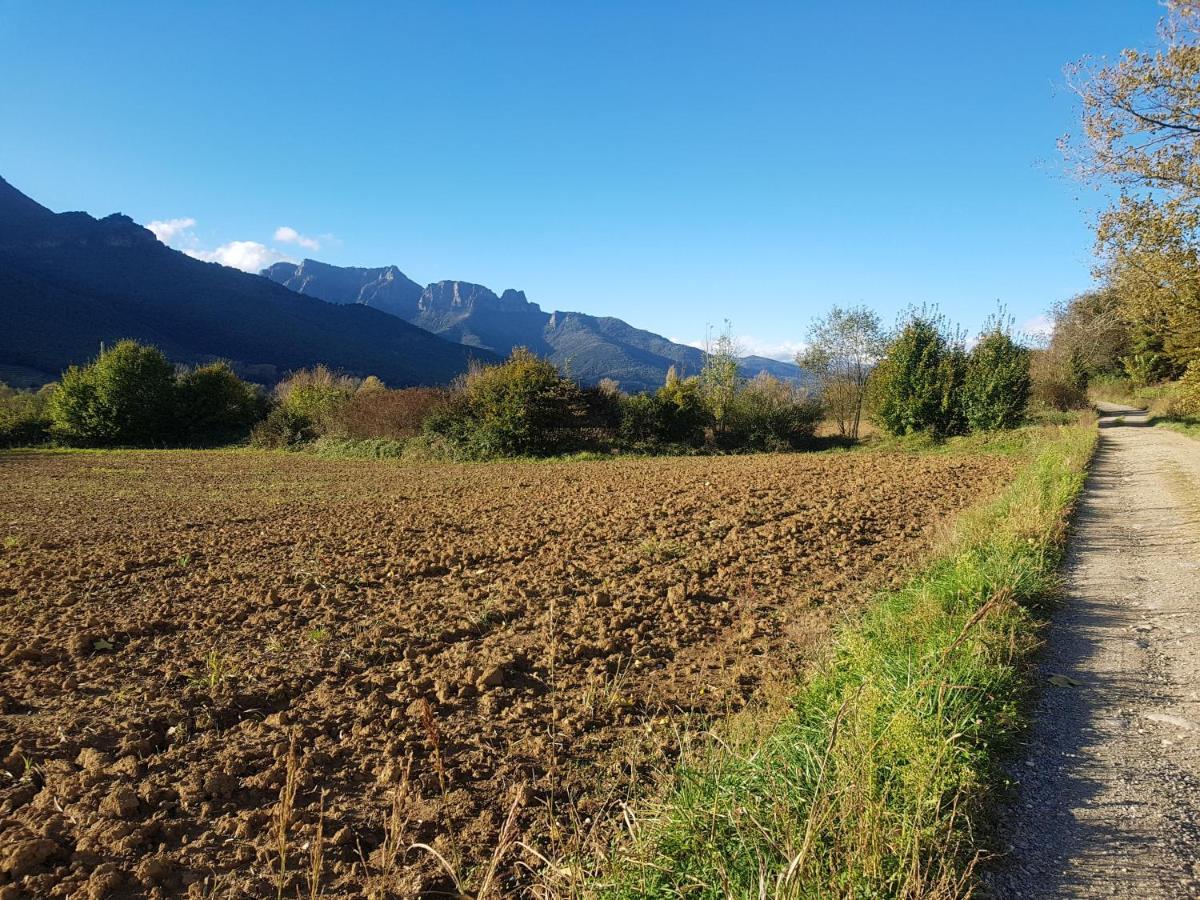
pixel 387 288
pixel 588 347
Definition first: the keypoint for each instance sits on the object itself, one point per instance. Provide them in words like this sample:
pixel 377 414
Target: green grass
pixel 1190 427
pixel 873 783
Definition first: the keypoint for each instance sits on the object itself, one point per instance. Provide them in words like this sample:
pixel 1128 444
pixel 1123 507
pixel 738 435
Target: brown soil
pixel 444 643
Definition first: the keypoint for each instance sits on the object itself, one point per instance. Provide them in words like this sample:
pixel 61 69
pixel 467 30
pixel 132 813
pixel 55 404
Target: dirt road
pixel 1108 802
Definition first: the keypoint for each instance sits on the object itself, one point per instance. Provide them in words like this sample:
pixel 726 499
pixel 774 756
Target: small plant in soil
pixel 661 551
pixel 217 668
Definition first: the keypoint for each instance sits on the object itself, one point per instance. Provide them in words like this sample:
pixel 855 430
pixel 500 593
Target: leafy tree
pixel 214 406
pixel 996 386
pixel 124 398
pixel 1141 118
pixel 917 386
pixel 720 379
pixel 24 419
pixel 843 348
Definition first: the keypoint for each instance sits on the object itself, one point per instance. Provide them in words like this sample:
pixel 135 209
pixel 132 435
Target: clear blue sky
pixel 670 163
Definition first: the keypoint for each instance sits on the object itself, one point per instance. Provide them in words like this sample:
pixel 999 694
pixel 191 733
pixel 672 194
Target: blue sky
pixel 674 164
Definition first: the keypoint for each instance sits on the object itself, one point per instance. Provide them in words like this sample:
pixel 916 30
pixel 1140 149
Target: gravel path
pixel 1108 802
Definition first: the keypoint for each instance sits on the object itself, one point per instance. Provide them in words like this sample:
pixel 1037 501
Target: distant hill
pixel 69 281
pixel 589 348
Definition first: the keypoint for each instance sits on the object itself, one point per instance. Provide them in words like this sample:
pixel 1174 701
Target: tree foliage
pixel 522 407
pixel 917 387
pixel 996 385
pixel 843 348
pixel 214 406
pixel 720 379
pixel 124 398
pixel 1141 133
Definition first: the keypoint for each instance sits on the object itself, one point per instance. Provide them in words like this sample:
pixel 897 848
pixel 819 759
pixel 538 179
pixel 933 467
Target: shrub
pixel 769 414
pixel 283 429
pixel 126 397
pixel 318 396
pixel 684 413
pixel 917 386
pixel 1055 385
pixel 376 412
pixel 521 407
pixel 24 418
pixel 995 390
pixel 676 415
pixel 641 425
pixel 1185 404
pixel 214 406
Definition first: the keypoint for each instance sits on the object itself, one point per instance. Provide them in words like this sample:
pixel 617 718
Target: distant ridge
pixel 589 348
pixel 69 281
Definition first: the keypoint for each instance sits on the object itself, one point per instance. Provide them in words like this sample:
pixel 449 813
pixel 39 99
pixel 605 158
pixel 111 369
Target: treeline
pixel 921 378
pixel 1138 141
pixel 132 396
pixel 526 407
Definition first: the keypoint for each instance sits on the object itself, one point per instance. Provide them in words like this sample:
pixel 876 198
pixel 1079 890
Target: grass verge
pixel 1190 427
pixel 872 784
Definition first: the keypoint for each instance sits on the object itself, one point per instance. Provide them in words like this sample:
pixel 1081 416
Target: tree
pixel 918 384
pixel 1141 133
pixel 843 348
pixel 996 386
pixel 214 406
pixel 720 378
pixel 124 398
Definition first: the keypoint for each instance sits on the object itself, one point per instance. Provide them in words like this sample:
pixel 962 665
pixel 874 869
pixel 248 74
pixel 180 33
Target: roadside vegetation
pixel 875 781
pixel 918 379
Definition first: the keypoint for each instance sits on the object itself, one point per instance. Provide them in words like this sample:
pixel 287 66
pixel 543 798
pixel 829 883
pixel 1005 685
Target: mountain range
pixel 69 282
pixel 588 347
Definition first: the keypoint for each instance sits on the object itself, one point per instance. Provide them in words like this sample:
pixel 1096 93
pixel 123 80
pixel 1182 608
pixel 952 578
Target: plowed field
pixel 441 646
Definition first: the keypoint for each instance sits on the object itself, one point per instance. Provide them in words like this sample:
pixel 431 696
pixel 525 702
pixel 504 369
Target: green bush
pixel 318 396
pixel 24 417
pixel 283 429
pixel 684 413
pixel 995 391
pixel 214 406
pixel 125 398
pixel 918 385
pixel 522 407
pixel 677 415
pixel 1185 403
pixel 769 414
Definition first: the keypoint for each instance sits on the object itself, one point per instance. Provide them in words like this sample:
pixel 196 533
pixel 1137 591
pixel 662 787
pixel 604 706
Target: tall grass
pixel 872 784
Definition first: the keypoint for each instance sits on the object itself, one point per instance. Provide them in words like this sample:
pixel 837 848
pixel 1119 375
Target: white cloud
pixel 287 235
pixel 748 345
pixel 249 256
pixel 1041 327
pixel 781 350
pixel 167 230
